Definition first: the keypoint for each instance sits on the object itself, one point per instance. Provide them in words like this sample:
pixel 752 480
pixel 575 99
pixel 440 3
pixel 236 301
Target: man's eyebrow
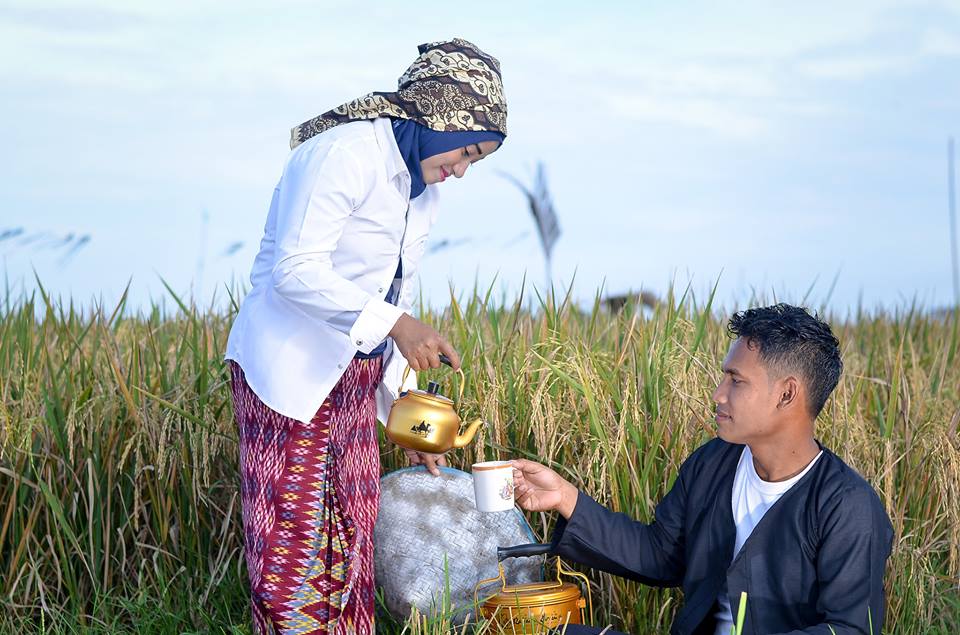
pixel 730 370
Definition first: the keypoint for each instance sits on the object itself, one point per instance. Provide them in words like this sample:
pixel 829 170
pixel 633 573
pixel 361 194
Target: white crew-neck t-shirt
pixel 752 497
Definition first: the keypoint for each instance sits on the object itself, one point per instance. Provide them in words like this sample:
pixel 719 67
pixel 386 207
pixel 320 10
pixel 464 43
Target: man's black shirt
pixel 813 564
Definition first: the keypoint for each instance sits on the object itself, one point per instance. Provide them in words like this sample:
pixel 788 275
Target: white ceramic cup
pixel 493 486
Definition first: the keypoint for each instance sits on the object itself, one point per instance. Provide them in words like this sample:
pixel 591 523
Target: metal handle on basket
pixel 586 582
pixel 522 551
pixel 503 584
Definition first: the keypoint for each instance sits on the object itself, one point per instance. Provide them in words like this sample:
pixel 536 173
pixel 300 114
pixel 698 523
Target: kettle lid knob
pixel 433 387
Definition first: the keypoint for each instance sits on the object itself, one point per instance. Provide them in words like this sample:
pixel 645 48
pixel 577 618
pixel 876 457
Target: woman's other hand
pixel 537 488
pixel 421 345
pixel 432 461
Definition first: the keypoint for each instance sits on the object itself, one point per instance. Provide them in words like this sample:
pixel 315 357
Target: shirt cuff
pixel 560 529
pixel 374 324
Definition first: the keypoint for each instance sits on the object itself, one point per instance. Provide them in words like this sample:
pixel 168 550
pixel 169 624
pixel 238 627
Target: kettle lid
pixel 431 393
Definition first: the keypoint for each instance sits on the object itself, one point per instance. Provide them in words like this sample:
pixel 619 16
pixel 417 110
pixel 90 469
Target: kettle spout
pixel 468 434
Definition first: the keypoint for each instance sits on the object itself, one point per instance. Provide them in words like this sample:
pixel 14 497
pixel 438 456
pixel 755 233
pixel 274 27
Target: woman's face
pixel 437 168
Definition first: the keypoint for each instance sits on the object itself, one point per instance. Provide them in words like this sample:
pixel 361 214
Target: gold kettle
pixel 426 421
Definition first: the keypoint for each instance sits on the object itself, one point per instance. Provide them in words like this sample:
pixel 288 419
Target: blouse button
pixel 380 290
pixel 359 342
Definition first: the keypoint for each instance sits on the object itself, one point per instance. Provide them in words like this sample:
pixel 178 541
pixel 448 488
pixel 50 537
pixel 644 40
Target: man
pixel 763 509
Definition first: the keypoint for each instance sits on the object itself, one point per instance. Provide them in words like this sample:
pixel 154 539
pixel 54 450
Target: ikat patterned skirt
pixel 310 493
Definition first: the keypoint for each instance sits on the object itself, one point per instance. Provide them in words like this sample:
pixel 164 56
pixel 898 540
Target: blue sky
pixel 782 144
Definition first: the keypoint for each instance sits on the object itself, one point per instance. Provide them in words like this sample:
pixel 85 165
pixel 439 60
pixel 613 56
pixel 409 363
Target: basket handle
pixel 562 570
pixel 500 576
pixel 522 551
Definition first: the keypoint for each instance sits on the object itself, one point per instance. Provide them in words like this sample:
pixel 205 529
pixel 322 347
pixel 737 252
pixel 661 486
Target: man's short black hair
pixel 790 340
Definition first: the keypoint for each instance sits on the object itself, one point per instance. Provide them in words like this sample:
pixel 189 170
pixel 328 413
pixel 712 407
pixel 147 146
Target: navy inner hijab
pixel 417 142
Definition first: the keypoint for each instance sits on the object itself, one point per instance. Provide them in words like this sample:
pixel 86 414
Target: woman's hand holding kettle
pixel 423 348
pixel 421 345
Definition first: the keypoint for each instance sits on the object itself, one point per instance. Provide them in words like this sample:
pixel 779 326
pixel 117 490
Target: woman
pixel 320 343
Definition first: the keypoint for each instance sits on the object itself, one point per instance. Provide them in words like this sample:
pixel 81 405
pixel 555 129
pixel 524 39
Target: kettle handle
pixel 444 360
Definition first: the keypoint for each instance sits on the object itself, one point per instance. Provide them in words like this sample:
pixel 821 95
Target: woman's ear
pixel 789 392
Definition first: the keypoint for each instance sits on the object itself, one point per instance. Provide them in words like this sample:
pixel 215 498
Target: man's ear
pixel 789 392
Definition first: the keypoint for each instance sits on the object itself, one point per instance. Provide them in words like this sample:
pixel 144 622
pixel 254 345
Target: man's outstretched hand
pixel 537 488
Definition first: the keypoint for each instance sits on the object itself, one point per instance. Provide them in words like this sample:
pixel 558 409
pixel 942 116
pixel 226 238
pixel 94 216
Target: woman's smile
pixel 438 167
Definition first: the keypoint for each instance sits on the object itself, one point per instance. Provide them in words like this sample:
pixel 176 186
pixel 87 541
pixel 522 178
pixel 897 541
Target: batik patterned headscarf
pixel 451 86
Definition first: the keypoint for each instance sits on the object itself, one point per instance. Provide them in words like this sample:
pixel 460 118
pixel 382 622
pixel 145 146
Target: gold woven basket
pixel 538 607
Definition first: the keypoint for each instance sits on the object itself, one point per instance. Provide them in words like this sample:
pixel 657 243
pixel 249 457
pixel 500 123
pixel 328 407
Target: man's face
pixel 746 397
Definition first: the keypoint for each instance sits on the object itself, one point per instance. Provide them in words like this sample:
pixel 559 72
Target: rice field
pixel 119 506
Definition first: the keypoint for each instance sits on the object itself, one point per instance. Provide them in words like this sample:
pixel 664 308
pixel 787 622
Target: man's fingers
pixel 525 500
pixel 525 466
pixel 442 460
